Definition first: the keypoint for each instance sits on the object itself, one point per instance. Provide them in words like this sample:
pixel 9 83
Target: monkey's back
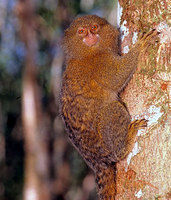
pixel 93 116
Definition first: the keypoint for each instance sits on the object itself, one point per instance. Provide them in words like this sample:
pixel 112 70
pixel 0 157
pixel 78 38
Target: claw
pixel 148 37
pixel 139 124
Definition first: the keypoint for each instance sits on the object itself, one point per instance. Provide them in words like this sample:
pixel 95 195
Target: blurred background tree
pixel 68 176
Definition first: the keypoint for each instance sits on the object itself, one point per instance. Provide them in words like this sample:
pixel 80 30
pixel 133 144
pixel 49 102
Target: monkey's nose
pixel 91 39
pixel 90 35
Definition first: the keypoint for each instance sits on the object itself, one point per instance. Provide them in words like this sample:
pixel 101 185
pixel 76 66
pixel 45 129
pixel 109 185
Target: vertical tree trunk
pixel 146 172
pixel 36 183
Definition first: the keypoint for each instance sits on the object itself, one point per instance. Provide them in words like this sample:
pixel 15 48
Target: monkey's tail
pixel 106 182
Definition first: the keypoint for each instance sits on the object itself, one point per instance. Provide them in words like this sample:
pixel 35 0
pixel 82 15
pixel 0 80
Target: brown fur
pixel 97 122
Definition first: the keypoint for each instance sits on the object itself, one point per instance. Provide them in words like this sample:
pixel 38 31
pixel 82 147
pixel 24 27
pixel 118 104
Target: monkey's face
pixel 88 35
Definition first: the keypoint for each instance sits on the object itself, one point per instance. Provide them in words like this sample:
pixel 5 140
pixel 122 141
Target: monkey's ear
pixel 66 32
pixel 67 38
pixel 69 32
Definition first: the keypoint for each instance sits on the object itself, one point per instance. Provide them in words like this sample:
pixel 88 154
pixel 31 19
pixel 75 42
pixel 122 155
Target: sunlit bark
pixel 145 174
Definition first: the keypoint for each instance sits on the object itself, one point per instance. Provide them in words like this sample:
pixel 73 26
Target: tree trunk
pixel 35 124
pixel 146 172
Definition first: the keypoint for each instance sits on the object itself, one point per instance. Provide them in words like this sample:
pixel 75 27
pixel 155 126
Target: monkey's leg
pixel 118 134
pixel 117 131
pixel 113 126
pixel 106 183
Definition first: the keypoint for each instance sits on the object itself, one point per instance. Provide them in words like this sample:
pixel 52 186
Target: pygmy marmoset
pixel 97 121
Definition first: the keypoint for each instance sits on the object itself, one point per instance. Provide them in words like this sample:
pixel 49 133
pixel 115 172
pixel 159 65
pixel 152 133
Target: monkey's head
pixel 89 34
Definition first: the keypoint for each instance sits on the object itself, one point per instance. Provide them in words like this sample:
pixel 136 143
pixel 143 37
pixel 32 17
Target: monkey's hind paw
pixel 149 38
pixel 139 124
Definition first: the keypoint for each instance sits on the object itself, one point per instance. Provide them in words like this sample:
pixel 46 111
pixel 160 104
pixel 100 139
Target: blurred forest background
pixel 31 56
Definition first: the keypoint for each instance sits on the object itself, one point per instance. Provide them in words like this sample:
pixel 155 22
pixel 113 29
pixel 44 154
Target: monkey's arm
pixel 124 67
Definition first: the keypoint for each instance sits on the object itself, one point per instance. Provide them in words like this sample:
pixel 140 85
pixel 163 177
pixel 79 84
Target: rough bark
pixel 145 173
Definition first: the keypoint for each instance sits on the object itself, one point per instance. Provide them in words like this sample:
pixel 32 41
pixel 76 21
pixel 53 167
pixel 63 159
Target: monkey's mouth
pixel 91 39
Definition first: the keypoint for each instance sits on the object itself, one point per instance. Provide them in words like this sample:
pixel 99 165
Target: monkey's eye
pixel 81 31
pixel 95 27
